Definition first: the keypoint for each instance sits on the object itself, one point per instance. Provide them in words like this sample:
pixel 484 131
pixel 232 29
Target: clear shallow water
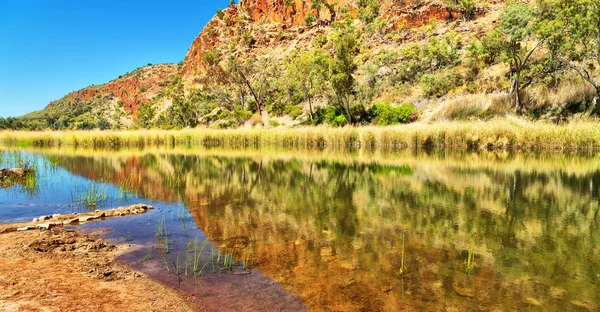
pixel 329 226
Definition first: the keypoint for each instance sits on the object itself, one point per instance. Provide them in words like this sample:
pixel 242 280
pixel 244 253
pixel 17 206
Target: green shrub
pixel 339 121
pixel 309 19
pixel 103 124
pixel 293 111
pixel 330 114
pixel 385 114
pixel 434 86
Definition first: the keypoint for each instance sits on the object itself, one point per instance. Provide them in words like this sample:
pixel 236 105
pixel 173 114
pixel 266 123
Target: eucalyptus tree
pixel 307 72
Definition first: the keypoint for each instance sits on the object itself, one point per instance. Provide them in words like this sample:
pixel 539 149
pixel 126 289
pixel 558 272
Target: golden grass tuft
pixel 473 106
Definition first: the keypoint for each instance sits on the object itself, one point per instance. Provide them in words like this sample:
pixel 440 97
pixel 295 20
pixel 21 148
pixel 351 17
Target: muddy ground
pixel 62 270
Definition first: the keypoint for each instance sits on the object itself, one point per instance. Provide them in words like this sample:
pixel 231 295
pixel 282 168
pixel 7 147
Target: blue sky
pixel 49 48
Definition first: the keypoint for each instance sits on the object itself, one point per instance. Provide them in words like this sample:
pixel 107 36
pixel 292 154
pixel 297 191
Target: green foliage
pixel 368 10
pixel 342 67
pixel 487 50
pixel 85 125
pixel 439 52
pixel 331 115
pixel 145 114
pixel 103 124
pixel 572 28
pixel 212 57
pixel 466 7
pixel 435 85
pixel 384 114
pixel 220 13
pixel 307 72
pixel 309 19
pixel 339 121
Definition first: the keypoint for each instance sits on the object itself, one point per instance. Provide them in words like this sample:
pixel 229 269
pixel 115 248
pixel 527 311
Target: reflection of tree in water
pixel 308 216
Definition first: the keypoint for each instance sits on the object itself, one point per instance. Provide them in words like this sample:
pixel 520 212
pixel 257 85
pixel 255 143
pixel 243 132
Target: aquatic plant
pixel 470 261
pixel 147 257
pixel 93 196
pixel 402 270
pixel 161 226
pixel 166 263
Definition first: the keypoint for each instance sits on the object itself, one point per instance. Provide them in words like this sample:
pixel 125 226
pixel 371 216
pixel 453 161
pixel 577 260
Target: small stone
pixel 86 219
pixel 35 220
pixel 26 228
pixel 56 215
pixel 45 226
pixel 43 218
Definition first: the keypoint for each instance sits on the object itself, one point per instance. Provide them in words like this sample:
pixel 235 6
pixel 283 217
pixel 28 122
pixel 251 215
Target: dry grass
pixel 473 106
pixel 568 94
pixel 493 134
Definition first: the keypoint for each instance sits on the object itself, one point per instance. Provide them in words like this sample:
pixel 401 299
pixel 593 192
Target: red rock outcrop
pixel 133 89
pixel 399 13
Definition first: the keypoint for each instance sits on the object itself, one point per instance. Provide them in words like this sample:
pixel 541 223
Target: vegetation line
pixel 495 134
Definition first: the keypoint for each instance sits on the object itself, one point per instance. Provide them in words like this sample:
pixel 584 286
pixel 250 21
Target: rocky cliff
pixel 291 17
pixel 131 89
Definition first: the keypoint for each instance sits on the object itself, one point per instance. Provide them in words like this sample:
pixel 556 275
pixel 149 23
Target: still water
pixel 338 230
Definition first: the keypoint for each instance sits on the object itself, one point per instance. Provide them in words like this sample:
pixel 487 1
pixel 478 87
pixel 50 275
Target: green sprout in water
pixel 402 270
pixel 93 196
pixel 470 262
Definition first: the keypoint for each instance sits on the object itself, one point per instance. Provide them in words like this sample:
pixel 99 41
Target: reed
pixel 470 261
pixel 93 196
pixel 493 134
pixel 402 270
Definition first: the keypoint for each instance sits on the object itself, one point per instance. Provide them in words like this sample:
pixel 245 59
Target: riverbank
pixel 497 134
pixel 65 270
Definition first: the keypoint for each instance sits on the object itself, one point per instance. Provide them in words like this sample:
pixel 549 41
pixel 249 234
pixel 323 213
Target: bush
pixel 103 124
pixel 384 114
pixel 293 111
pixel 85 125
pixel 436 85
pixel 339 121
pixel 332 115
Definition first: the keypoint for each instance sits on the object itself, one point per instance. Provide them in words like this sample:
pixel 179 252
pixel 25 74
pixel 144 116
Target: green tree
pixel 307 71
pixel 517 26
pixel 182 112
pixel 368 10
pixel 342 67
pixel 581 49
pixel 145 115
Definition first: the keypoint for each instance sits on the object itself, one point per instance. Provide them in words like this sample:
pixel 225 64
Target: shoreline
pixel 65 270
pixel 498 134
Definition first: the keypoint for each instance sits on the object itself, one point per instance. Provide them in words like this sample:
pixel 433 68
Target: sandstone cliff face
pixel 132 89
pixel 398 13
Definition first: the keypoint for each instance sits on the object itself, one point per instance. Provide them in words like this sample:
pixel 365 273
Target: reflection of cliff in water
pixel 332 230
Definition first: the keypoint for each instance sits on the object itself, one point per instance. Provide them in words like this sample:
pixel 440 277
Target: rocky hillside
pixel 278 21
pixel 338 62
pixel 115 102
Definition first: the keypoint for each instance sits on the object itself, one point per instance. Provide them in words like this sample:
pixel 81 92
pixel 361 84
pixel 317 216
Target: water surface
pixel 343 231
